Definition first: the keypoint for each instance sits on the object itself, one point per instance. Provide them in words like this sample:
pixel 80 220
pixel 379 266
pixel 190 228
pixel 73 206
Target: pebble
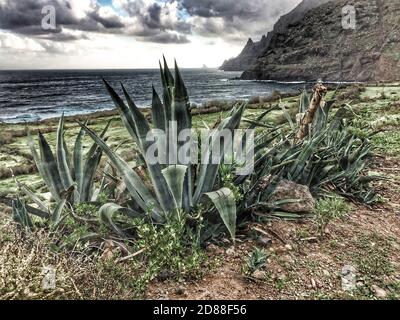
pixel 313 283
pixel 230 251
pixel 288 247
pixel 180 291
pixel 260 275
pixel 264 241
pixel 379 292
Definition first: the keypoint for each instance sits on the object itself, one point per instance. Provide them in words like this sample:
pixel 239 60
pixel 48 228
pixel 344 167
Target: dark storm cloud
pixel 108 23
pixel 235 20
pixel 223 8
pixel 25 17
pixel 149 23
pixel 168 21
pixel 156 16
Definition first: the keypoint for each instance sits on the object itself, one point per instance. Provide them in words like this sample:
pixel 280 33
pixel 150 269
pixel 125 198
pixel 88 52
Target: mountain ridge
pixel 253 50
pixel 317 46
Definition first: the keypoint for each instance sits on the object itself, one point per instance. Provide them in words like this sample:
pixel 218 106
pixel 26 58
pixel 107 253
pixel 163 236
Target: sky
pixel 125 34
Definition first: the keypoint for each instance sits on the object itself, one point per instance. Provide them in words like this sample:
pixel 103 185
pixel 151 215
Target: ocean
pixel 27 96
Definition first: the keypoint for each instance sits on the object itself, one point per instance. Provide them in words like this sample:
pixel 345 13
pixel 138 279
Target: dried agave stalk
pixel 319 92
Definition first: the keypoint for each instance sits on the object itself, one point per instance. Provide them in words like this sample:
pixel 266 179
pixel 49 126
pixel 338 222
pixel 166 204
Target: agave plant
pixel 329 158
pixel 176 187
pixel 66 176
pixel 20 214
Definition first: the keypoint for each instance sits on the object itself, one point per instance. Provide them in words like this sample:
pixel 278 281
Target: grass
pixel 388 143
pixel 82 273
pixel 329 209
pixel 374 261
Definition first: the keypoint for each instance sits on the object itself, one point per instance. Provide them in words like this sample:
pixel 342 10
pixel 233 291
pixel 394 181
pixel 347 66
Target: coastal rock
pixel 317 46
pixel 245 59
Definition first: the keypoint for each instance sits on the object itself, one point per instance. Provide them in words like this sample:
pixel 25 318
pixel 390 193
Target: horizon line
pixel 111 69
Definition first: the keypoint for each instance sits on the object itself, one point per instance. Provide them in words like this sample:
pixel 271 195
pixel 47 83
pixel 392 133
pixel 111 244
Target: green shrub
pixel 169 251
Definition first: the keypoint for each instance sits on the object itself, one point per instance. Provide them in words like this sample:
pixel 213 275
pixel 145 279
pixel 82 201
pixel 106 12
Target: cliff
pixel 253 50
pixel 318 47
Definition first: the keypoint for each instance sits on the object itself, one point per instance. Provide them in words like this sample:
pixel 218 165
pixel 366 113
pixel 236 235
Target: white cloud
pixel 10 41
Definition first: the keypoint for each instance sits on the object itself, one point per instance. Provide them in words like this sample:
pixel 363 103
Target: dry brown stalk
pixel 319 92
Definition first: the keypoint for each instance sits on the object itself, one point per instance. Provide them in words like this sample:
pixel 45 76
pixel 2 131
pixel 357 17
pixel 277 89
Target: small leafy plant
pixel 255 261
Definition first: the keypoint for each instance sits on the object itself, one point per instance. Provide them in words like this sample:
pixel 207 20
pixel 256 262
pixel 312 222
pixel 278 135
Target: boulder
pixel 290 190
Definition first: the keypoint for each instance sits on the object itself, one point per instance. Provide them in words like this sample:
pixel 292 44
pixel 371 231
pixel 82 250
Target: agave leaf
pixel 41 205
pixel 40 166
pixel 134 183
pixel 175 176
pixel 91 166
pixel 288 216
pixel 78 159
pixel 56 215
pixel 307 152
pixel 107 180
pixel 321 117
pixel 126 115
pixel 107 213
pixel 20 214
pixel 180 104
pixel 182 115
pixel 264 142
pixel 208 170
pixel 257 122
pixel 287 116
pixel 62 159
pixel 224 202
pixel 50 167
pixel 168 75
pixel 90 170
pixel 304 101
pixel 167 96
pixel 336 122
pixel 113 208
pixel 158 112
pixel 142 129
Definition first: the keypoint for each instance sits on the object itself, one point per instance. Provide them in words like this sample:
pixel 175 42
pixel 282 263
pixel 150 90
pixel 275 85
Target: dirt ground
pixel 303 266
